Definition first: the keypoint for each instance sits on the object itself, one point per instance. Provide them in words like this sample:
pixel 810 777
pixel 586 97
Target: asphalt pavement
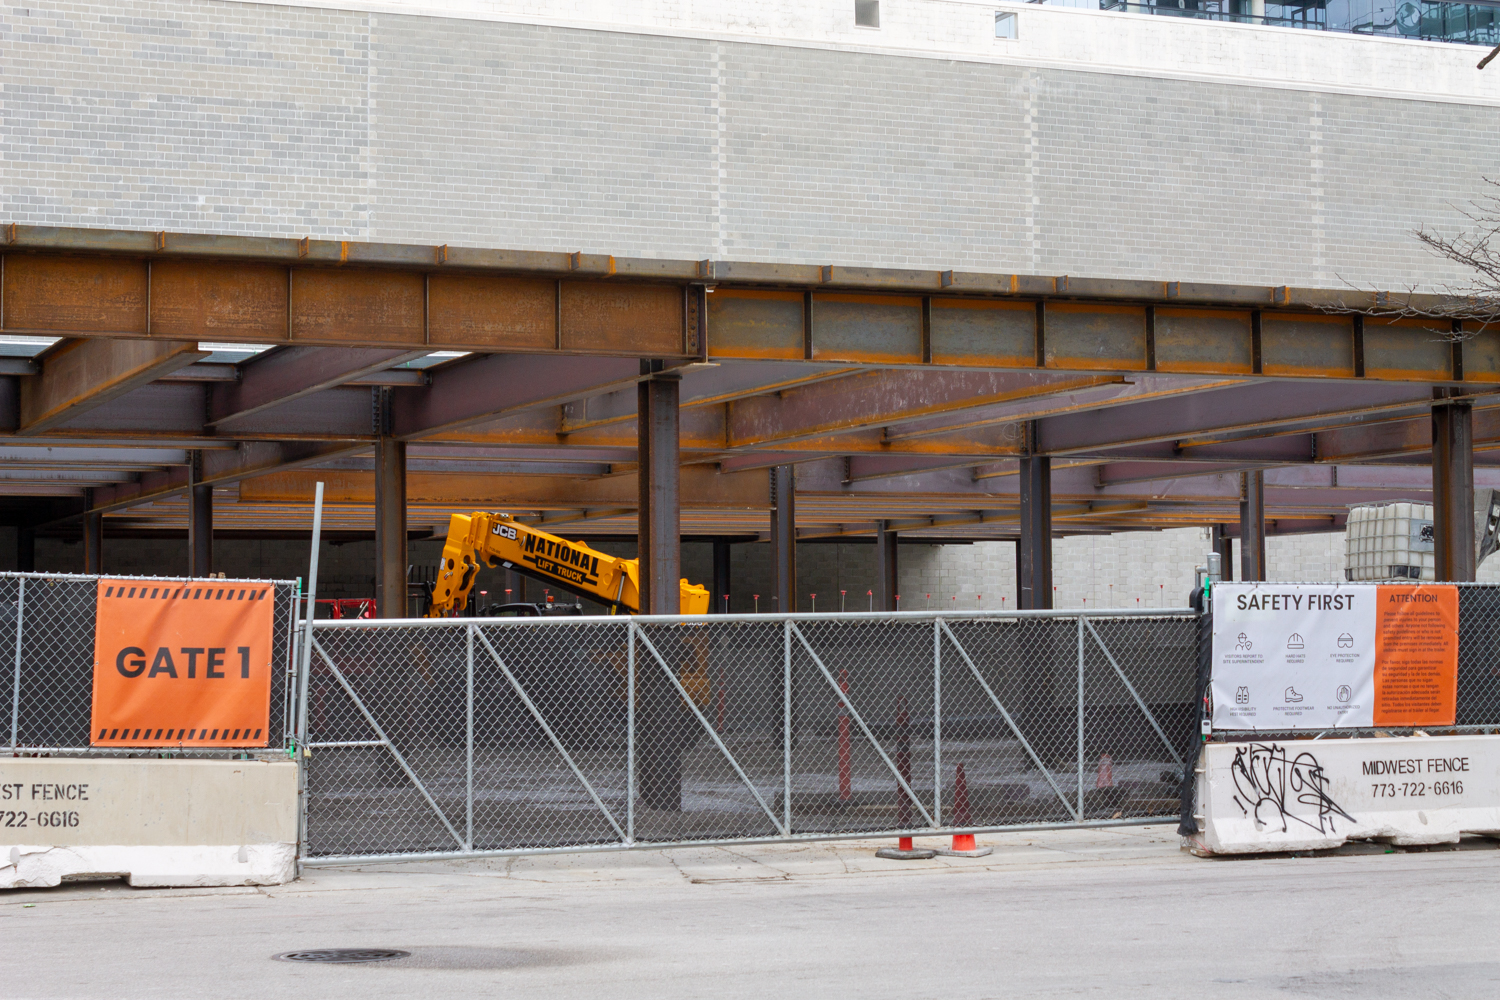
pixel 1106 913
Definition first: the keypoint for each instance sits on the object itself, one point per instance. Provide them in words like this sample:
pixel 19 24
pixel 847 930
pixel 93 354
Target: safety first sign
pixel 182 664
pixel 1311 656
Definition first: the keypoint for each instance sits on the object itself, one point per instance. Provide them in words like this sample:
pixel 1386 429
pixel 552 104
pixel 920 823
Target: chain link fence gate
pixel 460 737
pixel 47 646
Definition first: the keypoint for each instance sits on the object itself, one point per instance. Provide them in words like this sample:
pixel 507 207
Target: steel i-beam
pixel 886 567
pixel 784 536
pixel 1453 490
pixel 390 527
pixel 1034 552
pixel 1253 525
pixel 660 510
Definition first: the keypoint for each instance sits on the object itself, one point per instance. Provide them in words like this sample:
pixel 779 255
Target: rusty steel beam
pixel 881 399
pixel 702 489
pixel 77 376
pixel 290 373
pixel 103 283
pixel 1238 411
pixel 484 389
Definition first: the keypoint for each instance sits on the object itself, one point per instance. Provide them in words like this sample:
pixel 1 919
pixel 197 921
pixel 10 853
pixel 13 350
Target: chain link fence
pixel 47 643
pixel 470 736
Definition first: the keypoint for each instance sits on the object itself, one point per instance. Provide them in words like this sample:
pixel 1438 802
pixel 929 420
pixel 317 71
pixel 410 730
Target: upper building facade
pixel 1211 144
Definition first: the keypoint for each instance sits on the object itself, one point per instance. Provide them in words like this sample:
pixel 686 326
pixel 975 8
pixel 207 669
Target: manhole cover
pixel 342 956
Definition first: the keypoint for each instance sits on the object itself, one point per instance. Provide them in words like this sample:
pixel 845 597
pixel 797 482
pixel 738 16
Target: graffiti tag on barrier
pixel 1270 785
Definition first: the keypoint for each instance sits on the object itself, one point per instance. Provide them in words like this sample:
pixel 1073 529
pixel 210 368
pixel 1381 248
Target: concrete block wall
pixel 1138 569
pixel 226 117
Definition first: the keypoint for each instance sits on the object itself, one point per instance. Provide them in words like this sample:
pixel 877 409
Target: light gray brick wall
pixel 205 116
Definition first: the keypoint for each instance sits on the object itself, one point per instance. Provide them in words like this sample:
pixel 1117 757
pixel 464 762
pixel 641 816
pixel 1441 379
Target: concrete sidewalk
pixel 1122 912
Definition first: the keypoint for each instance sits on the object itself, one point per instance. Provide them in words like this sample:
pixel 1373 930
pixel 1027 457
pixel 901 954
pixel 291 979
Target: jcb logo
pixel 504 531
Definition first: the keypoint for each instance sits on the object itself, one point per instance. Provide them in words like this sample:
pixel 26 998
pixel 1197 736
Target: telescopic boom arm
pixel 491 540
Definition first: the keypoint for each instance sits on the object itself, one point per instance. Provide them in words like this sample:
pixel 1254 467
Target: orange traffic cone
pixel 963 843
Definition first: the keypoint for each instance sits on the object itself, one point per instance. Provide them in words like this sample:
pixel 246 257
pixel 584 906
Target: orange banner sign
pixel 182 664
pixel 1416 655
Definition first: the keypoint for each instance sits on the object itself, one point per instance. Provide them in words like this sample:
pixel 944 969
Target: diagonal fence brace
pixel 853 714
pixel 709 729
pixel 358 703
pixel 556 743
pixel 1140 703
pixel 1072 809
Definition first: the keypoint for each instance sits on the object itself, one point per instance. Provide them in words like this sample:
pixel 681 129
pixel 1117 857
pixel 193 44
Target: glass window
pixel 1005 25
pixel 867 13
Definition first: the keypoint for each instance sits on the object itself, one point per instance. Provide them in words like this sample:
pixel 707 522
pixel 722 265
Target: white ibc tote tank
pixel 1394 541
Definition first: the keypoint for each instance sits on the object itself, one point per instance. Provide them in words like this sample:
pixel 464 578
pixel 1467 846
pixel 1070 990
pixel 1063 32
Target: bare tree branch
pixel 1475 248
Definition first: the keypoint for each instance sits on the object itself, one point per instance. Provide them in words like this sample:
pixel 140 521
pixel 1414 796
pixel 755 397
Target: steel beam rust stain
pixel 234 302
pixel 1095 337
pixel 748 323
pixel 1303 345
pixel 481 312
pixel 867 329
pixel 1192 341
pixel 333 306
pixel 983 333
pixel 1405 350
pixel 84 295
pixel 644 320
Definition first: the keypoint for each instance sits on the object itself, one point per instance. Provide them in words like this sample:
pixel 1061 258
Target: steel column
pixel 93 542
pixel 1453 490
pixel 660 510
pixel 719 599
pixel 886 567
pixel 390 528
pixel 784 536
pixel 1253 525
pixel 200 523
pixel 1035 548
pixel 26 550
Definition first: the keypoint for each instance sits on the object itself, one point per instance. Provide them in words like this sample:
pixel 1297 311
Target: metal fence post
pixel 469 744
pixel 306 671
pixel 786 725
pixel 937 722
pixel 15 700
pixel 630 732
pixel 1080 717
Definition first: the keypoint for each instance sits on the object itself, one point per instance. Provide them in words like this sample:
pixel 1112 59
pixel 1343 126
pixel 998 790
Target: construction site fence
pixel 47 641
pixel 466 737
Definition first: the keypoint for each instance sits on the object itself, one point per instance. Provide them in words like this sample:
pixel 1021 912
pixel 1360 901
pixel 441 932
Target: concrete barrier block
pixel 155 822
